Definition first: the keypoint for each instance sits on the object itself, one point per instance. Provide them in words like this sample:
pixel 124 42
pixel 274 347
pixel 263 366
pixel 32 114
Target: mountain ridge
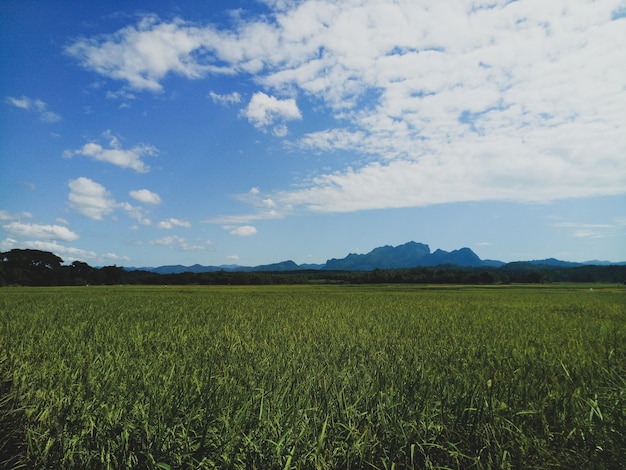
pixel 408 255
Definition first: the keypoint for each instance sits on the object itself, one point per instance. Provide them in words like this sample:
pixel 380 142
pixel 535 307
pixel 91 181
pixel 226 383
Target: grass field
pixel 313 377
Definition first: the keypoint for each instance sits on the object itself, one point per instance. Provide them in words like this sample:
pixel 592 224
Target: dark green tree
pixel 31 267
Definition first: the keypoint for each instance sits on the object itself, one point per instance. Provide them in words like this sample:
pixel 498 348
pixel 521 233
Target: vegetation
pixel 313 377
pixel 41 268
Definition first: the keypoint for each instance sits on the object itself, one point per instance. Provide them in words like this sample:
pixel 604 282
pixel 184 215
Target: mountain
pixel 555 263
pixel 274 267
pixel 463 257
pixel 178 268
pixel 597 262
pixel 542 263
pixel 409 255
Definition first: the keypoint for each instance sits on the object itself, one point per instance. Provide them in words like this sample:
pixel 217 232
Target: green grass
pixel 313 377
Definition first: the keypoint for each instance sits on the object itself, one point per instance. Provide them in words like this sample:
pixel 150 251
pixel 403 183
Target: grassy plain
pixel 313 377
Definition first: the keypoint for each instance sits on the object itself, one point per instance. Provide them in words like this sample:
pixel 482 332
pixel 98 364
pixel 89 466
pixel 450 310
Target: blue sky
pixel 151 133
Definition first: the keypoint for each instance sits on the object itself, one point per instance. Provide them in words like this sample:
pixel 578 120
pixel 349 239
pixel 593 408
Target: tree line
pixel 26 267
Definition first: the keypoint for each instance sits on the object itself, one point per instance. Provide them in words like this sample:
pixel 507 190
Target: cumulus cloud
pixel 241 231
pixel 263 110
pixel 48 232
pixel 172 222
pixel 146 196
pixel 35 105
pixel 442 103
pixel 90 199
pixel 93 200
pixel 144 54
pixel 115 154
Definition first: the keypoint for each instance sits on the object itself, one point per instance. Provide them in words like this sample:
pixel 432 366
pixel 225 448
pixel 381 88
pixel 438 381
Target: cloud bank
pixel 49 232
pixel 445 102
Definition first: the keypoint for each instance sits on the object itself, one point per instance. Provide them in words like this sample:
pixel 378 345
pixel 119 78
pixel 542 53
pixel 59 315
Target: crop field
pixel 313 377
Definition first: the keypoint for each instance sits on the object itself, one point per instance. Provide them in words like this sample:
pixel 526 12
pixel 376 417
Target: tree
pixel 30 267
pixel 81 273
pixel 111 275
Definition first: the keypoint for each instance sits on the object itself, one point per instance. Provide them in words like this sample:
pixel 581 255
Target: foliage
pixel 30 267
pixel 40 268
pixel 313 377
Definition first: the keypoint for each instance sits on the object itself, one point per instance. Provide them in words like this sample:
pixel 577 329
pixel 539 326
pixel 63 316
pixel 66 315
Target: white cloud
pixel 225 100
pixel 54 247
pixel 595 230
pixel 230 220
pixel 440 102
pixel 144 54
pixel 50 117
pixel 263 110
pixel 268 209
pixel 268 202
pixel 280 130
pixel 68 254
pixel 130 158
pixel 25 102
pixel 172 222
pixel 469 173
pixel 35 105
pixel 5 215
pixel 334 139
pixel 124 95
pixel 48 232
pixel 93 200
pixel 115 258
pixel 241 231
pixel 166 240
pixel 134 212
pixel 504 105
pixel 90 199
pixel 145 196
pixel 177 242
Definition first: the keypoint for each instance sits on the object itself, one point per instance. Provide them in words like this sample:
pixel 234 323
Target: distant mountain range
pixel 409 255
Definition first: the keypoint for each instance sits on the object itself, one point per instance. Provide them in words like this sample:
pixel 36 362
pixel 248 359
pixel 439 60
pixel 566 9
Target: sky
pixel 149 133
